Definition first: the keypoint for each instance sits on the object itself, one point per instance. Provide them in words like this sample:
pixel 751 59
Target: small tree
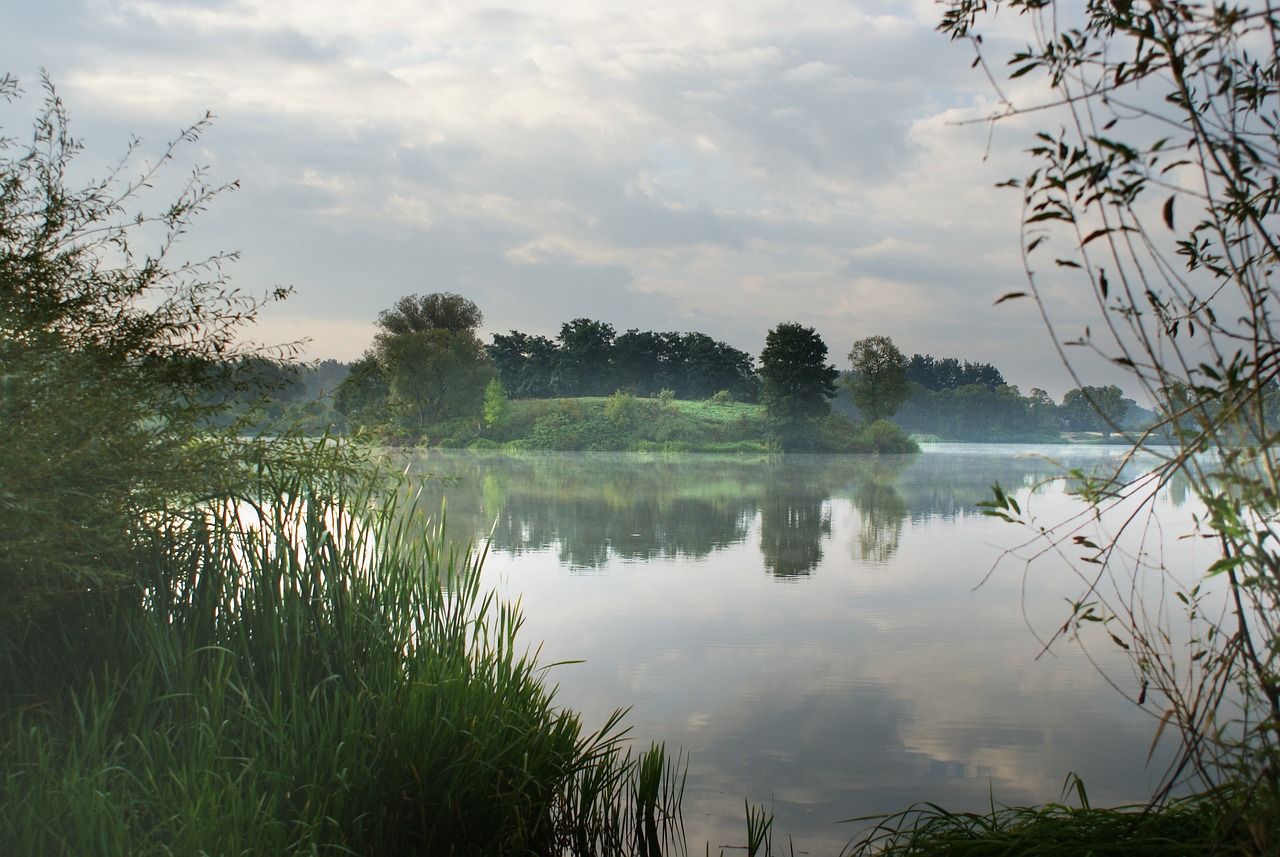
pixel 878 383
pixel 497 407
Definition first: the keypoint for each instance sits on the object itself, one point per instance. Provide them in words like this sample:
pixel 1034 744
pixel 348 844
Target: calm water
pixel 811 630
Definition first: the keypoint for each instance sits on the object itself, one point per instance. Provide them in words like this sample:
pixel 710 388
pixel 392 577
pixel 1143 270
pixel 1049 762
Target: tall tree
pixel 878 383
pixel 645 362
pixel 526 364
pixel 797 383
pixel 584 361
pixel 427 359
pixel 436 311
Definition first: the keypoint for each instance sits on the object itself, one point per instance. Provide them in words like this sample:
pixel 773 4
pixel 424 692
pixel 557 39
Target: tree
pixel 434 377
pixel 878 383
pixel 646 362
pixel 497 407
pixel 711 366
pixel 427 361
pixel 797 383
pixel 584 362
pixel 948 373
pixel 525 364
pixel 1095 409
pixel 436 311
pixel 116 363
pixel 1162 177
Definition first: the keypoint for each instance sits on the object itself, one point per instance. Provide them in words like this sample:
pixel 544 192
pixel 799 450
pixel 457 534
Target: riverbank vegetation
pixel 959 401
pixel 297 674
pixel 221 641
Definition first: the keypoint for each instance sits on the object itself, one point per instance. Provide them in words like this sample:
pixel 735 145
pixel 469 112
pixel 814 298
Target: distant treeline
pixel 950 398
pixel 949 373
pixel 589 358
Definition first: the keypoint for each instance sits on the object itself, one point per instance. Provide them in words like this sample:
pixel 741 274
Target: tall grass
pixel 1188 826
pixel 300 675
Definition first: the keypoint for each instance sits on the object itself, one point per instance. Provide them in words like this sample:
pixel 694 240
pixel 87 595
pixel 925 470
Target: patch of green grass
pixel 628 424
pixel 622 423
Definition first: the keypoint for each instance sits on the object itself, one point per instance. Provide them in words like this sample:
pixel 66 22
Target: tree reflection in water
pixel 592 508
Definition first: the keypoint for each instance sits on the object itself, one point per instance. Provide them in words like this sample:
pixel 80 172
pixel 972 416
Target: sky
pixel 720 166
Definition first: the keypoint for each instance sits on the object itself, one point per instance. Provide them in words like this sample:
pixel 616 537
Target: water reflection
pixel 592 508
pixel 807 628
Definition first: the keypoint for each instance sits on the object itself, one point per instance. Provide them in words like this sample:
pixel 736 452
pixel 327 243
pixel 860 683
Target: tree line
pixel 428 374
pixel 589 358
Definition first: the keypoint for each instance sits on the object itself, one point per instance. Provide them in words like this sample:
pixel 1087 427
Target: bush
pixel 883 436
pixel 119 366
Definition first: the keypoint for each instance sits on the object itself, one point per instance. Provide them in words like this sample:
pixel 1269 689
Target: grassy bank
pixel 298 677
pixel 629 424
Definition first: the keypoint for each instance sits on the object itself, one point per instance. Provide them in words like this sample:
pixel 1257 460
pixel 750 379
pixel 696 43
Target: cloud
pixel 717 166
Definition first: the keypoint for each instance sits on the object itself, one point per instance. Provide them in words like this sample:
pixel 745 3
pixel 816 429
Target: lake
pixel 831 636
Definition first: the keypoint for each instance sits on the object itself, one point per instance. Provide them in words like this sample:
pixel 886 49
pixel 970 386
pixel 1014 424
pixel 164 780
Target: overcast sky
pixel 719 166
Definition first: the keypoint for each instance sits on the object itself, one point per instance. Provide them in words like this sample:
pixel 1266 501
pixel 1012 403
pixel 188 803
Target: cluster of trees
pixel 962 400
pixel 589 358
pixel 949 373
pixel 427 374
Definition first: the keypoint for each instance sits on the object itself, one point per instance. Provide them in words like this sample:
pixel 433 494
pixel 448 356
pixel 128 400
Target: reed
pixel 1189 826
pixel 301 674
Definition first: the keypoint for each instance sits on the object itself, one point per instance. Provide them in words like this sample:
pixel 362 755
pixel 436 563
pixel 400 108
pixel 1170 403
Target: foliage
pixel 437 311
pixel 1162 180
pixel 525 364
pixel 621 409
pixel 948 373
pixel 497 407
pixel 1187 827
pixel 1095 409
pixel 589 358
pixel 426 369
pixel 364 396
pixel 115 360
pixel 302 676
pixel 797 383
pixel 584 364
pixel 623 422
pixel 977 413
pixel 878 383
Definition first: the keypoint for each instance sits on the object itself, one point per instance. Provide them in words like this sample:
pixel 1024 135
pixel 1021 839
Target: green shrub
pixel 621 409
pixel 883 436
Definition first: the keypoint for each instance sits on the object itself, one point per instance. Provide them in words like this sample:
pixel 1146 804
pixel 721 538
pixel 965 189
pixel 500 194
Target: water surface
pixel 814 631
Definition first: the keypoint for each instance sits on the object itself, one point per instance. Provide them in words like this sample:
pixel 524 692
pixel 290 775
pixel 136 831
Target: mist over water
pixel 830 636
